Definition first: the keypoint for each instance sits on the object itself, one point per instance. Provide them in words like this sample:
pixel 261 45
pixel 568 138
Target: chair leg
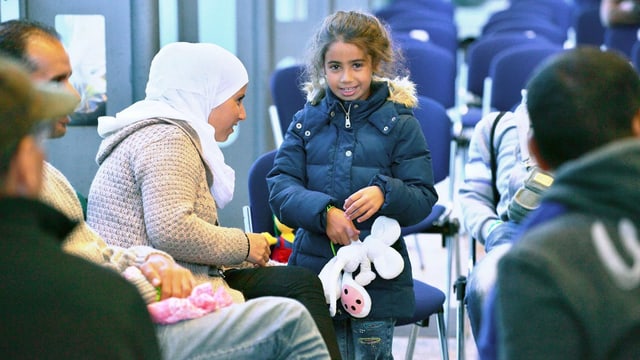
pixel 453 249
pixel 460 289
pixel 442 335
pixel 411 344
pixel 419 251
pixel 448 281
pixel 453 156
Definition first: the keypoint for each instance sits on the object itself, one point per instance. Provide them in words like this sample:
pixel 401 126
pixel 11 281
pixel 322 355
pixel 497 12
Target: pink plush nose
pixel 355 301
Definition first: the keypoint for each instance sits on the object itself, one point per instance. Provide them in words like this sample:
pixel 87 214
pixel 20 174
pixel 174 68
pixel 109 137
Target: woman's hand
pixel 174 280
pixel 259 250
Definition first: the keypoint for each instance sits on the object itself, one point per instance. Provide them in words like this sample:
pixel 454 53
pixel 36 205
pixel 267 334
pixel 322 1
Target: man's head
pixel 580 100
pixel 25 111
pixel 39 47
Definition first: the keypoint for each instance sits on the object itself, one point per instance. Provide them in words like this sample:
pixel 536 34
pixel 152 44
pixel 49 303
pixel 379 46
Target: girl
pixel 355 152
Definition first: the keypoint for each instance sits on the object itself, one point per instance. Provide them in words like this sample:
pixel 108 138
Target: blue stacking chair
pixel 287 96
pixel 635 55
pixel 509 72
pixel 257 215
pixel 587 26
pixel 621 38
pixel 440 33
pixel 259 218
pixel 429 301
pixel 481 52
pixel 560 12
pixel 433 69
pixel 511 13
pixel 436 9
pixel 478 60
pixel 540 27
pixel 437 129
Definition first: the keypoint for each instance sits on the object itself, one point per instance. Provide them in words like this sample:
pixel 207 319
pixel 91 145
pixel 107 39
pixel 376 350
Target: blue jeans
pixel 364 339
pixel 481 280
pixel 263 328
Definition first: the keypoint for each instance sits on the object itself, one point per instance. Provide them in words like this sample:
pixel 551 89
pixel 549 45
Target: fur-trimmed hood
pixel 401 91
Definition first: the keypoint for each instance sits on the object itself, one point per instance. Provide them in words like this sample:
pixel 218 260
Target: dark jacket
pixel 576 267
pixel 322 162
pixel 58 306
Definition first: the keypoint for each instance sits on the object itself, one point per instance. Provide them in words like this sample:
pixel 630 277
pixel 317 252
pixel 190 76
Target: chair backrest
pixel 483 50
pixel 433 70
pixel 440 33
pixel 437 129
pixel 635 56
pixel 560 12
pixel 621 38
pixel 286 94
pixel 261 215
pixel 534 25
pixel 428 8
pixel 509 72
pixel 588 27
pixel 511 13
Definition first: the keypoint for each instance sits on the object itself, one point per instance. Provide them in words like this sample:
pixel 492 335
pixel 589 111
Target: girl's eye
pixel 357 65
pixel 334 67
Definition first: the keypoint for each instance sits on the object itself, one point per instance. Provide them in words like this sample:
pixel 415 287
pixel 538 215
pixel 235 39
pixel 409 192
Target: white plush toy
pixel 337 275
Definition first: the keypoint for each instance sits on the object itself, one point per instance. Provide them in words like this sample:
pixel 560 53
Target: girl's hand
pixel 362 204
pixel 340 230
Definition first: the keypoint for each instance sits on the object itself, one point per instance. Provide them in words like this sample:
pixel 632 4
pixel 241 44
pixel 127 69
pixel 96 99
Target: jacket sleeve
pixel 476 192
pixel 409 193
pixel 289 199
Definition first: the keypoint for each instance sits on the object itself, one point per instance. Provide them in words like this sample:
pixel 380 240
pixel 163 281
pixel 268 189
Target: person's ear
pixel 25 170
pixel 535 152
pixel 635 124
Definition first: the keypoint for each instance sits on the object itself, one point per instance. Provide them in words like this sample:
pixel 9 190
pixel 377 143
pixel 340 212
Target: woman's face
pixel 225 116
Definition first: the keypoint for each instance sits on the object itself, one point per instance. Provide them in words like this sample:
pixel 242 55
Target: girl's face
pixel 348 71
pixel 225 116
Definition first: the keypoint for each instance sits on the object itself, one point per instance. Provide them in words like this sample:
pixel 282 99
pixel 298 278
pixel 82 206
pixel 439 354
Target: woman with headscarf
pixel 162 178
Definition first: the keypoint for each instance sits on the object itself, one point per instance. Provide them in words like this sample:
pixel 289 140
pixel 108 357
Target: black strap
pixel 494 162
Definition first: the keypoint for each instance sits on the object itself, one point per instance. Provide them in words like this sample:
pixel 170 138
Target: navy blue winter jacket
pixel 324 159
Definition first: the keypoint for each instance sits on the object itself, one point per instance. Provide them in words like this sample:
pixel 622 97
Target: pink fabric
pixel 202 300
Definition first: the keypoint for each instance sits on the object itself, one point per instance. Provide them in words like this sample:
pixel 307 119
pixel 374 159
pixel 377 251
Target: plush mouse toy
pixel 337 275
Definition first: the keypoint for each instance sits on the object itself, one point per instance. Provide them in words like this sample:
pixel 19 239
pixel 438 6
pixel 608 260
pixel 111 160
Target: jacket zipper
pixel 347 118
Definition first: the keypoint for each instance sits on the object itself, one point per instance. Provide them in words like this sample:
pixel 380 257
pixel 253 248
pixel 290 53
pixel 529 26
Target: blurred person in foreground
pixel 54 305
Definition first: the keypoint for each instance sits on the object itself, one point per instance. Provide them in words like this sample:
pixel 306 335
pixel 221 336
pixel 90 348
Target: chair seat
pixel 471 118
pixel 428 224
pixel 429 300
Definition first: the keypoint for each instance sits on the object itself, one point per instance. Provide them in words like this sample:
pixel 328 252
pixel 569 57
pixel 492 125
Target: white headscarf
pixel 187 81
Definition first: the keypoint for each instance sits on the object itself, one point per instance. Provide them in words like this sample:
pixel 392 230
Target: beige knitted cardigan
pixel 152 189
